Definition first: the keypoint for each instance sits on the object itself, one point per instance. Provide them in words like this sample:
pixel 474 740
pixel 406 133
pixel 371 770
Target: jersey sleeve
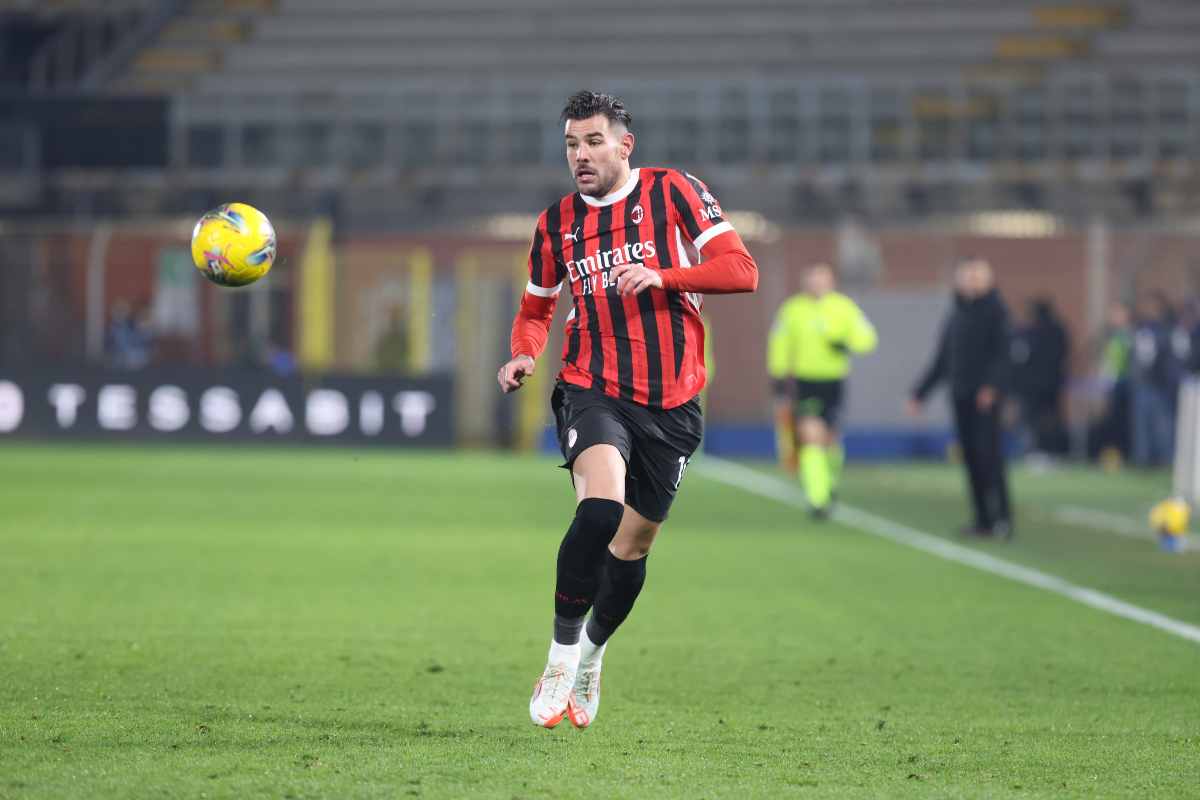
pixel 726 265
pixel 861 336
pixel 531 327
pixel 700 216
pixel 545 273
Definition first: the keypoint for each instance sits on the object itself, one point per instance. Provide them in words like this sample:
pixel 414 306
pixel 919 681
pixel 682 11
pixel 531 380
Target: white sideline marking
pixel 1103 520
pixel 733 474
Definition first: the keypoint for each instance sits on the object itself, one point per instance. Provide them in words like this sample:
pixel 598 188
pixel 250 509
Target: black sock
pixel 580 557
pixel 566 629
pixel 619 588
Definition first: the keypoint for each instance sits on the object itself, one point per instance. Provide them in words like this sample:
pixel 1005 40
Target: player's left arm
pixel 726 265
pixel 861 336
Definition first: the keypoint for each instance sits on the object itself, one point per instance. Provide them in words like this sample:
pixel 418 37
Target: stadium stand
pixel 866 105
pixel 75 44
pixel 300 45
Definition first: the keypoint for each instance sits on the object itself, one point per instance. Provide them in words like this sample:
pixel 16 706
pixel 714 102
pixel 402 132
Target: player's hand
pixel 985 399
pixel 914 408
pixel 514 373
pixel 634 278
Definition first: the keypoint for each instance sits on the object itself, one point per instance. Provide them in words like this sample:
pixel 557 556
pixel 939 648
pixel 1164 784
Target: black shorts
pixel 818 399
pixel 656 444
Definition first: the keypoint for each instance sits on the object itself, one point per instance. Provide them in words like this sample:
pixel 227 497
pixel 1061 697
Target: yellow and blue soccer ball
pixel 1170 519
pixel 233 245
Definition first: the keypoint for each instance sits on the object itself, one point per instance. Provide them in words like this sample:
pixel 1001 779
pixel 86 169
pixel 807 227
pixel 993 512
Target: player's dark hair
pixel 587 104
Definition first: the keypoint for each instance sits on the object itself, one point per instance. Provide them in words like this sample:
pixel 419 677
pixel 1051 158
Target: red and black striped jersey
pixel 649 347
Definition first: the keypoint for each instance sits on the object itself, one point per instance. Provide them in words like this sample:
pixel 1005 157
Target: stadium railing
pixel 1108 118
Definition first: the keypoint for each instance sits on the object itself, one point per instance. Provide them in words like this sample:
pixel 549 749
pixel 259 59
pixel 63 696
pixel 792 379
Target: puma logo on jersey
pixel 574 237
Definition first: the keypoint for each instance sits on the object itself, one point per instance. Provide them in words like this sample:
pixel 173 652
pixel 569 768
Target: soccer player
pixel 625 403
pixel 808 357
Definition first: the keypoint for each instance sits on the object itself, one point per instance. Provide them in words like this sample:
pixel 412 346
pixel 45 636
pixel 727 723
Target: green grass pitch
pixel 299 623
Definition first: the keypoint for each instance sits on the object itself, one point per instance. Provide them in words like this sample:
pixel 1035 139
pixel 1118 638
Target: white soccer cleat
pixel 585 696
pixel 552 694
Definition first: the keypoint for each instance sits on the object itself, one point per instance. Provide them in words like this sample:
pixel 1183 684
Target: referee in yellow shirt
pixel 808 357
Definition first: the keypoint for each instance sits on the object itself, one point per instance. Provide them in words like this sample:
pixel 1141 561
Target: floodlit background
pixel 361 612
pixel 404 149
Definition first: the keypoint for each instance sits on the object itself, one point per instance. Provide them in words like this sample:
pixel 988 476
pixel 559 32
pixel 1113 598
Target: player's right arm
pixel 531 328
pixel 934 374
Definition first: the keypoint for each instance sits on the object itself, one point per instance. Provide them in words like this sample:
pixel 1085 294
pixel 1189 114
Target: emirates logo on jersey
pixel 637 215
pixel 593 270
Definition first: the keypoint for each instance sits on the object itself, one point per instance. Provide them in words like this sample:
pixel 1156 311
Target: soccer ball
pixel 233 245
pixel 1170 520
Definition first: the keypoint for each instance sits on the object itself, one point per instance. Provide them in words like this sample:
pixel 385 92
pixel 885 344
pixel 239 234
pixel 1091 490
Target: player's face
pixel 597 154
pixel 819 281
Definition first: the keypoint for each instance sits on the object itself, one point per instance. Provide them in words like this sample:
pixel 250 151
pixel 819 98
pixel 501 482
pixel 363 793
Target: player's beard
pixel 602 184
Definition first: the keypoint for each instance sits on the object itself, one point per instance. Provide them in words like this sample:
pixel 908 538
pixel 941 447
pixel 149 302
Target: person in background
pixel 128 341
pixel 392 347
pixel 1150 381
pixel 1039 351
pixel 280 360
pixel 1112 432
pixel 1185 329
pixel 972 357
pixel 808 357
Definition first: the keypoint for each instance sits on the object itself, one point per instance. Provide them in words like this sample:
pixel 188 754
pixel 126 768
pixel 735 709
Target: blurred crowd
pixel 132 342
pixel 1040 350
pixel 1142 356
pixel 1146 352
pixel 129 339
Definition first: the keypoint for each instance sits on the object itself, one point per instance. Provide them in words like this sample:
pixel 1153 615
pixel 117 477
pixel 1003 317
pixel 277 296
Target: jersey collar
pixel 617 196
